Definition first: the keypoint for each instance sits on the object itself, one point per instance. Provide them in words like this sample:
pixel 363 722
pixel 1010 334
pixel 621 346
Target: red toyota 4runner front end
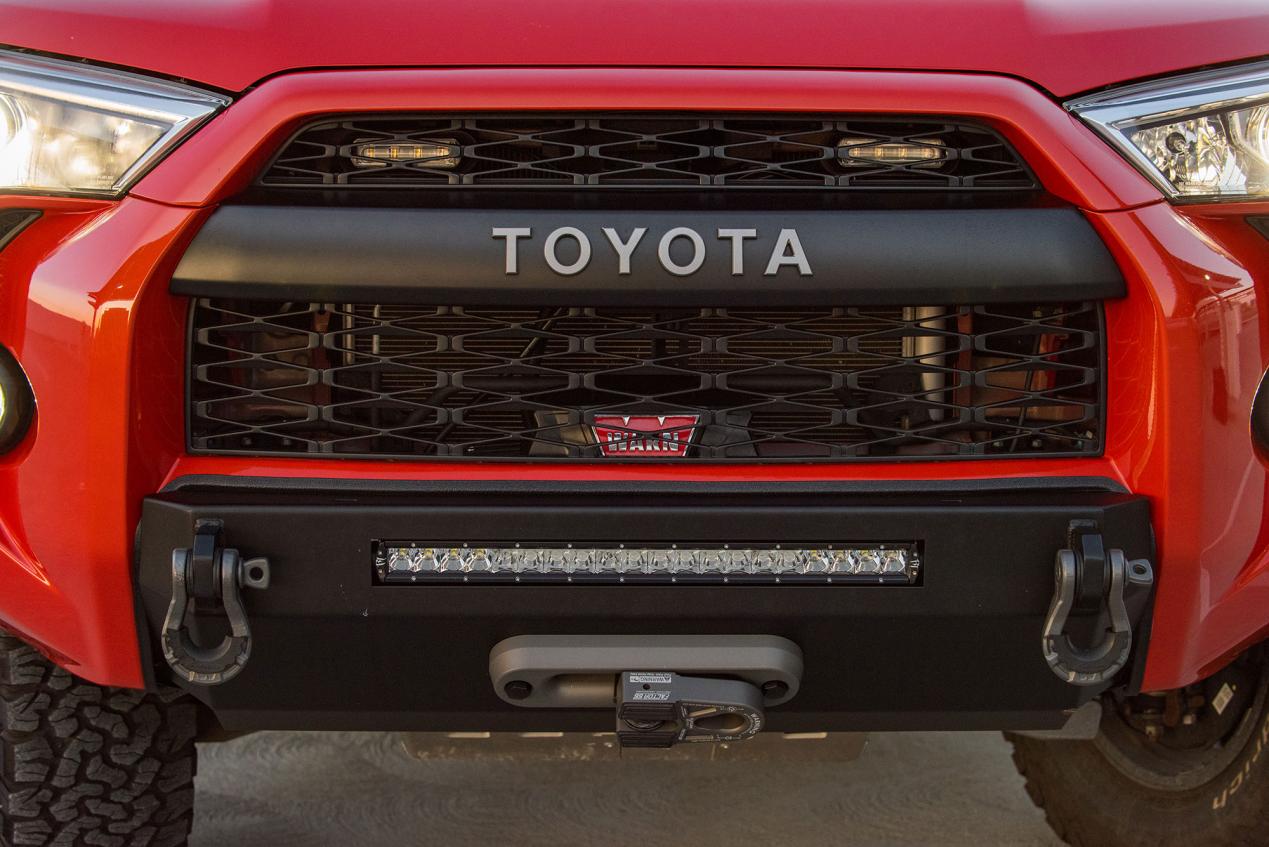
pixel 673 370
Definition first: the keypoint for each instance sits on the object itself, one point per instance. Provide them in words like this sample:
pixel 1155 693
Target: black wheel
pixel 85 765
pixel 1186 767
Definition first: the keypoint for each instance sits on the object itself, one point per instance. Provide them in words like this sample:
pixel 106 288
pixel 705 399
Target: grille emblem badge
pixel 653 436
pixel 787 250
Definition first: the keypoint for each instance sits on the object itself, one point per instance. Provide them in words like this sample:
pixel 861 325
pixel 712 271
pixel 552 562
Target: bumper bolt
pixel 774 689
pixel 518 689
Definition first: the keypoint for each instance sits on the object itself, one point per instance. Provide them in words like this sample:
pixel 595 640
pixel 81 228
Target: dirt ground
pixel 363 790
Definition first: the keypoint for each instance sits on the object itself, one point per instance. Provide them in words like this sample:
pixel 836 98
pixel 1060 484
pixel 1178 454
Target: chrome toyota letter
pixel 680 250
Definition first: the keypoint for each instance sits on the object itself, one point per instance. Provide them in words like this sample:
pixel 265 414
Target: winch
pixel 661 709
pixel 717 691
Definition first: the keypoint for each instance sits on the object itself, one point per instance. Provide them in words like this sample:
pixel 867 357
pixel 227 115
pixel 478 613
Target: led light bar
pixel 865 152
pixel 406 562
pixel 442 153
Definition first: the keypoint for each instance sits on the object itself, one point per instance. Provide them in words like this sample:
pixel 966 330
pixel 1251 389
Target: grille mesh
pixel 646 151
pixel 824 384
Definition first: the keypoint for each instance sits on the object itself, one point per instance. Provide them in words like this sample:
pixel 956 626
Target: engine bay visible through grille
pixel 836 384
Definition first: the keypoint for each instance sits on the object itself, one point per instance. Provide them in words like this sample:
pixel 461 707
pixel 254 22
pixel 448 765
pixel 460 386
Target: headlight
pixel 67 128
pixel 1202 136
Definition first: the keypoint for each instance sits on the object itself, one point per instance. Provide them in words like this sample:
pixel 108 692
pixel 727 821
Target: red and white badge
pixel 645 436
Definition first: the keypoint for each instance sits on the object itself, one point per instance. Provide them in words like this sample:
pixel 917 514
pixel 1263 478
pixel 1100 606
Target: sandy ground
pixel 353 789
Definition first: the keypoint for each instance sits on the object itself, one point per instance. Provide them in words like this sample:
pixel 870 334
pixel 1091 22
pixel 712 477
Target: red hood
pixel 1065 46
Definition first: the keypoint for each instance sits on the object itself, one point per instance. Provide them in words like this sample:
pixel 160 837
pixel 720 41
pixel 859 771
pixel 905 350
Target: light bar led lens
pixel 398 562
pixel 864 152
pixel 442 153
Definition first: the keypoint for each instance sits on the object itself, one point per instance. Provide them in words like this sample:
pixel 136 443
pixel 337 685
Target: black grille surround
pixel 13 221
pixel 632 150
pixel 765 385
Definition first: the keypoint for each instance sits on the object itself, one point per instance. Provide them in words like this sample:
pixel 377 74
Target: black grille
pixel 648 151
pixel 764 385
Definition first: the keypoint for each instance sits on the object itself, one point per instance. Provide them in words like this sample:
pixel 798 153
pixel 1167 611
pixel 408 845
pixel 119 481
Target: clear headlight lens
pixel 1200 136
pixel 67 128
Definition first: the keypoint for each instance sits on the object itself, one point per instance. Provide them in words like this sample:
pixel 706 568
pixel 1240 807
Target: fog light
pixel 870 153
pixel 1260 418
pixel 436 153
pixel 17 403
pixel 897 564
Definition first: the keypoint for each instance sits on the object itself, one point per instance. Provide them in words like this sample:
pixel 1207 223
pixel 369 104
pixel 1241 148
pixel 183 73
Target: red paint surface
pixel 84 305
pixel 1064 46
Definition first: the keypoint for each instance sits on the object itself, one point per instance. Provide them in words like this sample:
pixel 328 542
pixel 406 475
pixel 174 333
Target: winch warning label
pixel 651 678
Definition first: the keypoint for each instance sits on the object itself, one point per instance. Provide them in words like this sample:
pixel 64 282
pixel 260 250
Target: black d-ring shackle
pixel 1099 597
pixel 211 575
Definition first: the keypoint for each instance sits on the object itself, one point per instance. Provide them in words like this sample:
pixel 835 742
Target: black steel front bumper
pixel 332 649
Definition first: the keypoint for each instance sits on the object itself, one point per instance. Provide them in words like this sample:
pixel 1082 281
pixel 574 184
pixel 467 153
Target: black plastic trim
pixel 1024 181
pixel 13 221
pixel 206 482
pixel 1093 448
pixel 633 199
pixel 442 257
pixel 1260 223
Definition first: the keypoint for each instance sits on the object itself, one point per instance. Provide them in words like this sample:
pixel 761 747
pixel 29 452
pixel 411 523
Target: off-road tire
pixel 1089 802
pixel 85 765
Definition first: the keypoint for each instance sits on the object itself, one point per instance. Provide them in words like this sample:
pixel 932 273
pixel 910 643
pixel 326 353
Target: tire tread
pixel 84 765
pixel 1054 772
